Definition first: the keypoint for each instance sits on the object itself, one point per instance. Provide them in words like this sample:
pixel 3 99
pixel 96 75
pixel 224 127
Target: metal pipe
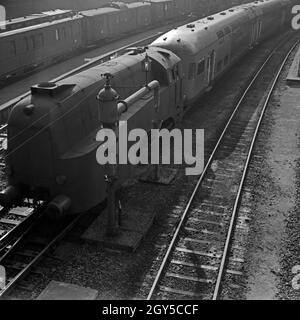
pixel 153 85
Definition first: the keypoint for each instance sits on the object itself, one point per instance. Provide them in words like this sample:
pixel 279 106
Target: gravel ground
pixel 119 275
pixel 273 247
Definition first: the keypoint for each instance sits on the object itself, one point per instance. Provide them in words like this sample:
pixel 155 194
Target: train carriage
pixel 200 45
pixel 29 47
pixel 34 19
pixel 162 10
pixel 201 7
pixel 209 46
pixel 274 15
pixel 141 14
pixel 109 22
pixel 100 24
pixel 126 20
pixel 183 7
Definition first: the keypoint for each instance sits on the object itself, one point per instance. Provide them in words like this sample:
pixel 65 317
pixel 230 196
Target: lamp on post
pixel 109 118
pixel 147 66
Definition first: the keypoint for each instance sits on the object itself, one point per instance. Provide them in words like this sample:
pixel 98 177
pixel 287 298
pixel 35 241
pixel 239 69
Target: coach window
pixel 201 66
pixel 226 59
pixel 64 33
pixel 40 40
pixel 219 66
pixel 173 75
pixel 32 42
pixel 57 34
pixel 170 76
pixel 12 48
pixel 192 70
pixel 176 72
pixel 227 30
pixel 26 44
pixel 71 32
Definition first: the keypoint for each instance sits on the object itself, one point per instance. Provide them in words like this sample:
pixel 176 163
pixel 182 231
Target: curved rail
pixel 236 204
pixel 188 206
pixel 24 271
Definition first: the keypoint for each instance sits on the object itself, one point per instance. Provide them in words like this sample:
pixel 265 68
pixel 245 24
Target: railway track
pixel 14 221
pixel 25 252
pixel 3 137
pixel 200 252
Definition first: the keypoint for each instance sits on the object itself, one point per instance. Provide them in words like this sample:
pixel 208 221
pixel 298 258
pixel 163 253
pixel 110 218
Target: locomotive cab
pixel 167 69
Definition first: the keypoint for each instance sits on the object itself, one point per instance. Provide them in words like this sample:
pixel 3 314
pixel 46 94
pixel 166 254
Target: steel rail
pixel 182 220
pixel 246 167
pixel 27 269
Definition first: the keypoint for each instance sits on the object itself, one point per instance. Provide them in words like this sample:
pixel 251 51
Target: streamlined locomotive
pixel 52 133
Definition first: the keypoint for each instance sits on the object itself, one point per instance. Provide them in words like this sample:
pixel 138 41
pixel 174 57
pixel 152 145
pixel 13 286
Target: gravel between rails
pixel 273 200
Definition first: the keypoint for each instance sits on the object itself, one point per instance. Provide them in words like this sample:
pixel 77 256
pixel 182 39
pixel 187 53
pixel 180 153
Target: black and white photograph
pixel 149 153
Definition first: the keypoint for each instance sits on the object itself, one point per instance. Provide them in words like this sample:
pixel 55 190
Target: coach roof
pixel 39 26
pixel 189 39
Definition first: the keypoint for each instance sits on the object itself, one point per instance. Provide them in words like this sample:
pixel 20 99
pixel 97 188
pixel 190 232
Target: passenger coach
pixel 208 47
